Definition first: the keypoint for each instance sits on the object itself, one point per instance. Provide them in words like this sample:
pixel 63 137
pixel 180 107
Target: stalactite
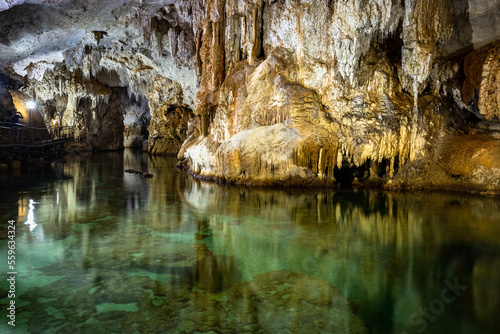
pixel 415 94
pixel 255 24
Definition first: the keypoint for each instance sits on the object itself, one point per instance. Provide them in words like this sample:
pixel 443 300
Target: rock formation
pixel 171 120
pixel 326 92
pixel 284 92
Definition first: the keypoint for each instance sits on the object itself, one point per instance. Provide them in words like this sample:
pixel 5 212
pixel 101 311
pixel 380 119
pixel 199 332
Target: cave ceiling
pixel 36 36
pixel 41 31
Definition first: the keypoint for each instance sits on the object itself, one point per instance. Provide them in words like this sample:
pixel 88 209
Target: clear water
pixel 113 252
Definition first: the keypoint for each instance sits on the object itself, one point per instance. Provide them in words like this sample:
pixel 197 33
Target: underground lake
pixel 99 250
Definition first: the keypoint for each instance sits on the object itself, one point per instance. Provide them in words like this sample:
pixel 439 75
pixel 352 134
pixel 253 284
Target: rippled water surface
pixel 104 251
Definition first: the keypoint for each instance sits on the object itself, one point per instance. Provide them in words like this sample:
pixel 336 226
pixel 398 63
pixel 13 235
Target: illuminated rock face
pixel 482 70
pixel 309 89
pixel 315 93
pixel 171 121
pixel 73 55
pixel 268 92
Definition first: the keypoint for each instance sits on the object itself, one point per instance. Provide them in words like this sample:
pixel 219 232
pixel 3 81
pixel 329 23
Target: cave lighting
pixel 31 216
pixel 30 105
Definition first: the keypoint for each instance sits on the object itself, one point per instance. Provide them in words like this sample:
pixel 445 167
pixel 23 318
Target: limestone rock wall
pixel 163 49
pixel 112 46
pixel 136 121
pixel 296 92
pixel 95 110
pixel 426 28
pixel 480 90
pixel 100 123
pixel 171 121
pixel 6 104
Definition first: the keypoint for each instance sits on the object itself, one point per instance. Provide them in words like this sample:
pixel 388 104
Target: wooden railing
pixel 20 134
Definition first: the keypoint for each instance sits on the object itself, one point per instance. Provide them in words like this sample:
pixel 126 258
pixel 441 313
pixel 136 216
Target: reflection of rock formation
pixel 158 269
pixel 137 191
pixel 225 258
pixel 214 273
pixel 485 288
pixel 402 247
pixel 163 192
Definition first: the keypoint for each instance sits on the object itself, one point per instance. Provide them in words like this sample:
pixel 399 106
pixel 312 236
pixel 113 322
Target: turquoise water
pixel 112 252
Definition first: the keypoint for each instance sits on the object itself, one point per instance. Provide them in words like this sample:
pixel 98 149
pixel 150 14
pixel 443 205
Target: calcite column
pixel 211 55
pixel 426 27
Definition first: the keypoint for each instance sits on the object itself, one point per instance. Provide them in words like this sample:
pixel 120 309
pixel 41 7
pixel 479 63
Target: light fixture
pixel 30 105
pixel 31 216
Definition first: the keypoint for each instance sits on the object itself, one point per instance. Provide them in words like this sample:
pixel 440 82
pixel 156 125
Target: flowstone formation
pixel 308 94
pixel 321 93
pixel 270 92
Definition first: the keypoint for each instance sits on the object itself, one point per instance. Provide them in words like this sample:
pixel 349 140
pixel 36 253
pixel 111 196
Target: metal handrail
pixel 21 134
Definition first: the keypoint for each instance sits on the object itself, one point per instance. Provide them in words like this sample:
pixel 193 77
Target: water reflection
pixel 113 246
pixel 31 215
pixel 390 251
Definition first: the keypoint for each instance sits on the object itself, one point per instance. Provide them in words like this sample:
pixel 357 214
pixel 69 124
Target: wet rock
pixel 282 301
pixel 141 173
pixel 473 157
pixel 482 69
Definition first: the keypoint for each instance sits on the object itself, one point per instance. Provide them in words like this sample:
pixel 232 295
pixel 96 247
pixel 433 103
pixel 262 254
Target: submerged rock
pixel 143 173
pixel 274 302
pixel 283 301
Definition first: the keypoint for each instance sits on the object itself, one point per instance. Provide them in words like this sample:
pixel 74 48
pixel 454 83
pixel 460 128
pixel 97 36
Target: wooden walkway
pixel 39 143
pixel 22 142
